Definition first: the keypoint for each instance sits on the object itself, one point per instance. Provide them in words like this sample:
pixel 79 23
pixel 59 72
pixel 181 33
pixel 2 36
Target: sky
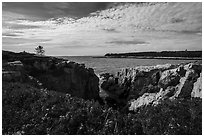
pixel 97 28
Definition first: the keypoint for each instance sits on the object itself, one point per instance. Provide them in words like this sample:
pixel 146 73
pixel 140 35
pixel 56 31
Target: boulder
pixel 169 78
pixel 197 88
pixel 11 76
pixel 151 98
pixel 144 100
pixel 14 66
pixel 185 86
pixel 13 71
pixel 17 64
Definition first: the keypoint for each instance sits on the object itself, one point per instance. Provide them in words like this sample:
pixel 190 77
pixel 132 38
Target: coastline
pixel 52 92
pixel 147 57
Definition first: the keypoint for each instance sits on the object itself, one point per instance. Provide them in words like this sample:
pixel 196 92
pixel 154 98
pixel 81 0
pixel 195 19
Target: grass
pixel 32 111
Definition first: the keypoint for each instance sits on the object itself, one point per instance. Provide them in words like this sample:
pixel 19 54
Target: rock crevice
pixel 146 85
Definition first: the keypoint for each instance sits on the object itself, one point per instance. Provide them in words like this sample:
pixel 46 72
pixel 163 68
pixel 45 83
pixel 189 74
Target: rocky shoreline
pixel 48 95
pixel 144 85
pixel 136 87
pixel 51 73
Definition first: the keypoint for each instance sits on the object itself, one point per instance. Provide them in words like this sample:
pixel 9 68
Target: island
pixel 182 55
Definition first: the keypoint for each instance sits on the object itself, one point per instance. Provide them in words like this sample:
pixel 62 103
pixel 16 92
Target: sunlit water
pixel 113 65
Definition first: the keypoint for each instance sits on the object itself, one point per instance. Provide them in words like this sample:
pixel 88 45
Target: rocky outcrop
pixel 197 88
pixel 133 82
pixel 142 86
pixel 13 71
pixel 53 73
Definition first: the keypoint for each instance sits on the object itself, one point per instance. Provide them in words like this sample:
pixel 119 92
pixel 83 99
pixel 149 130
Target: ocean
pixel 113 65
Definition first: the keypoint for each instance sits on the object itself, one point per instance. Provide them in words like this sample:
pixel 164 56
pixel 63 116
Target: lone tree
pixel 40 51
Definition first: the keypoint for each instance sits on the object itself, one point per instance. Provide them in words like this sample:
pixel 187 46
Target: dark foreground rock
pixel 146 85
pixel 29 108
pixel 51 73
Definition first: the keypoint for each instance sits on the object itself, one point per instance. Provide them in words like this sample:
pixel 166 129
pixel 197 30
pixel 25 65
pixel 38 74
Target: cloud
pixel 46 10
pixel 112 30
pixel 10 35
pixel 75 46
pixel 92 27
pixel 18 41
pixel 21 26
pixel 123 42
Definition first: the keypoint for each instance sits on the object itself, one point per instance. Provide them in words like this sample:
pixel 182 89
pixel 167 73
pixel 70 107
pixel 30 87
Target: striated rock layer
pixel 146 85
pixel 51 73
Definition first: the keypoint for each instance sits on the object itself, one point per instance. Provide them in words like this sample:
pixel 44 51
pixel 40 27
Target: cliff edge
pixel 50 73
pixel 149 85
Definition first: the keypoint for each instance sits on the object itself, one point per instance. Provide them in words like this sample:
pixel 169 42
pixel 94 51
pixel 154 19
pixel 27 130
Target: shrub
pixel 178 117
pixel 39 50
pixel 28 110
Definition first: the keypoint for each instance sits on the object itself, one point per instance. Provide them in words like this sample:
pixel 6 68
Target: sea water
pixel 113 65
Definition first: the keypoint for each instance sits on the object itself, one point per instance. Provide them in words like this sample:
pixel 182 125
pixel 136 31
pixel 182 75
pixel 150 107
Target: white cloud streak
pixel 162 26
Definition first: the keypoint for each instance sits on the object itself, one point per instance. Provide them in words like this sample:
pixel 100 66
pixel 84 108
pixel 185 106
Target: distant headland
pixel 182 55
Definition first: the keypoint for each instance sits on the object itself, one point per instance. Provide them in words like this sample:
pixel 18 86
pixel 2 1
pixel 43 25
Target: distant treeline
pixel 196 54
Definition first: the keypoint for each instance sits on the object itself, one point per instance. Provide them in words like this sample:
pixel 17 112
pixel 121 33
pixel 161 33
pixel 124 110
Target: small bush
pixel 31 111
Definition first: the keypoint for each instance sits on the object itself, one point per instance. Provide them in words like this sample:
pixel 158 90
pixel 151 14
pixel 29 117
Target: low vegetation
pixel 29 110
pixel 188 54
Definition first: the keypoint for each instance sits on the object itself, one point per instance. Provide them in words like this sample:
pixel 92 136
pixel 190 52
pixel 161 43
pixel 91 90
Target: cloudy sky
pixel 77 29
